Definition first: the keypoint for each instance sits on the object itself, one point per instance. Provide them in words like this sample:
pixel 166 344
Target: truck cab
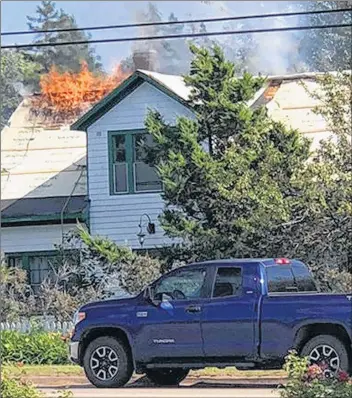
pixel 246 313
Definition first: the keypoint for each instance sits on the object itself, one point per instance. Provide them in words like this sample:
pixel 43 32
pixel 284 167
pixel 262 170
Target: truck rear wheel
pixel 107 363
pixel 166 377
pixel 327 351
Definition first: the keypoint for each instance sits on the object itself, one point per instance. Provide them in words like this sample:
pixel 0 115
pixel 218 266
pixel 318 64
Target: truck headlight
pixel 78 317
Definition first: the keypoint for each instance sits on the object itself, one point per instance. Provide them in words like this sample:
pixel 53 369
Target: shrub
pixel 306 381
pixel 16 295
pixel 17 388
pixel 36 348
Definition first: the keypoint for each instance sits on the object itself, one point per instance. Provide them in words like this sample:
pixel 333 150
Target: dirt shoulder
pixel 71 375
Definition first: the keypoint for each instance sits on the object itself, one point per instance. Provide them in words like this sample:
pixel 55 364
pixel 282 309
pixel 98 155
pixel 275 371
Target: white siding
pixel 32 238
pixel 294 106
pixel 118 216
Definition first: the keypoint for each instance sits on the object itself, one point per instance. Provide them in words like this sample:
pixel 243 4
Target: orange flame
pixel 69 93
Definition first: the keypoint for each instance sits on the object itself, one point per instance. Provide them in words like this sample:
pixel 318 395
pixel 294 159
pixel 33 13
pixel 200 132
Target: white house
pixel 124 191
pixel 52 176
pixel 43 188
pixel 121 188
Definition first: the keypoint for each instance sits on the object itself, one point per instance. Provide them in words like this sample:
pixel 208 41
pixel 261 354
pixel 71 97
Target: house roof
pixel 33 210
pixel 286 98
pixel 39 163
pixel 172 85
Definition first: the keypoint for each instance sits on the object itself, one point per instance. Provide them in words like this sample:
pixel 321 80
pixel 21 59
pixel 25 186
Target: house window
pixel 37 266
pixel 120 166
pixel 129 172
pixel 39 269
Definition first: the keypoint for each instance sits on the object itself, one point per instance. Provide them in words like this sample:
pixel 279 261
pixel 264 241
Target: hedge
pixel 37 348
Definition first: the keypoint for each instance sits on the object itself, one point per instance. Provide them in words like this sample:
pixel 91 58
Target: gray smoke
pixel 267 53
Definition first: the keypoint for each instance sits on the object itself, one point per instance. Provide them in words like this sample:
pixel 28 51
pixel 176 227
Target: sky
pixel 90 13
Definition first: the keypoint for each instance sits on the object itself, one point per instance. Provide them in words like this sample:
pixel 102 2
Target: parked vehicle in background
pixel 246 313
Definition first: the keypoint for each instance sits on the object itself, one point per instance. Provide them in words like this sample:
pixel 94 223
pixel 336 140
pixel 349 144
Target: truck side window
pixel 304 279
pixel 228 282
pixel 182 285
pixel 280 279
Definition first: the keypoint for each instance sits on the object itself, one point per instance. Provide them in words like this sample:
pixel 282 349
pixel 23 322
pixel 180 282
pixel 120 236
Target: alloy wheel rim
pixel 104 363
pixel 327 358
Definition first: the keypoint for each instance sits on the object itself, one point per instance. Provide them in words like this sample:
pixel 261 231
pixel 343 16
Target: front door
pixel 171 330
pixel 229 316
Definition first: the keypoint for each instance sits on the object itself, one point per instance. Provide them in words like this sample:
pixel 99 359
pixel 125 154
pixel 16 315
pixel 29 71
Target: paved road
pixel 182 392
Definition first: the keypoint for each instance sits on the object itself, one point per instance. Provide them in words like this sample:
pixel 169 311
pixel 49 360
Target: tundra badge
pixel 142 314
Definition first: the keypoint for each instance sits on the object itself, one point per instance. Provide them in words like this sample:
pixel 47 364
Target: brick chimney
pixel 145 59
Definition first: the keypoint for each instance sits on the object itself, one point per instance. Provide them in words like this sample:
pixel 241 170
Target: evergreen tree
pixel 46 19
pixel 172 55
pixel 230 175
pixel 65 58
pixel 327 49
pixel 175 52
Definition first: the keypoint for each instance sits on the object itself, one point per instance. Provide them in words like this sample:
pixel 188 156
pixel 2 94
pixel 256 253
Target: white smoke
pixel 269 53
pixel 266 53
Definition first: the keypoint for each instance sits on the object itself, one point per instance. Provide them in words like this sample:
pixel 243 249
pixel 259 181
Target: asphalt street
pixel 190 388
pixel 182 392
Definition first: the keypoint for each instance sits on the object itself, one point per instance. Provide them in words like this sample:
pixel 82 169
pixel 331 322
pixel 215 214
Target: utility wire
pixel 178 22
pixel 178 36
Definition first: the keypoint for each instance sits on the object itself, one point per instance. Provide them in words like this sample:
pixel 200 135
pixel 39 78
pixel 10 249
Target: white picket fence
pixel 48 325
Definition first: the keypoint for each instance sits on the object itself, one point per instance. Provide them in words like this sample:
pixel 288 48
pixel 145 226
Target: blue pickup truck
pixel 246 313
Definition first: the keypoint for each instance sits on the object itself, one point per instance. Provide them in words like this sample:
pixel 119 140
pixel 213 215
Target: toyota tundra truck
pixel 246 313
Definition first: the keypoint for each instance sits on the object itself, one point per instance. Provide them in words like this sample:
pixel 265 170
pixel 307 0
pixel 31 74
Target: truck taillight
pixel 282 261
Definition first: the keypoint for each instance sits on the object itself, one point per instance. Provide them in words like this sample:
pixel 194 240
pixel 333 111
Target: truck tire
pixel 329 350
pixel 107 363
pixel 166 377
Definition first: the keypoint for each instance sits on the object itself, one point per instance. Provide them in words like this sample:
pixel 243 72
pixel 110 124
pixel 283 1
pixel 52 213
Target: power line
pixel 179 22
pixel 178 36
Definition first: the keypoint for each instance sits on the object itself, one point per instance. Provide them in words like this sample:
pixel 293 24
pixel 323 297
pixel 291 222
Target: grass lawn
pixel 73 370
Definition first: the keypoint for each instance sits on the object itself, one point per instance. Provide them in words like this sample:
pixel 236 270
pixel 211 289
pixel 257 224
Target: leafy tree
pixel 327 49
pixel 16 73
pixel 230 175
pixel 65 58
pixel 323 233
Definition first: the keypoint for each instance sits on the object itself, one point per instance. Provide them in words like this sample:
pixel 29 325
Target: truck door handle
pixel 192 309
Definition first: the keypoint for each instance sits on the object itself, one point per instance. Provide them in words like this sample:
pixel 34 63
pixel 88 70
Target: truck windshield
pixel 290 279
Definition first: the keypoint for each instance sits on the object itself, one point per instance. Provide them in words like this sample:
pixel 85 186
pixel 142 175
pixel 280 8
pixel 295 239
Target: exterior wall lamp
pixel 149 228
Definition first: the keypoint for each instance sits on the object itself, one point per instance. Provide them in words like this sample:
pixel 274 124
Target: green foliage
pixel 306 381
pixel 230 175
pixel 35 348
pixel 104 247
pixel 326 49
pixel 16 295
pixel 130 271
pixel 322 229
pixel 65 58
pixel 16 72
pixel 17 388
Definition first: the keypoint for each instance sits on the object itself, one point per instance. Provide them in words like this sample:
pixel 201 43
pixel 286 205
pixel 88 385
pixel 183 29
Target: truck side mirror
pixel 148 296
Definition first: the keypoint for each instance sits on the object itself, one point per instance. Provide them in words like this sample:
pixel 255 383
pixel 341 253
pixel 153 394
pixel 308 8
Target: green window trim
pixel 130 161
pixel 25 260
pixel 71 217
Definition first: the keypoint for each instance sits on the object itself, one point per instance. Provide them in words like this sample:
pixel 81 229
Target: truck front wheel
pixel 166 377
pixel 107 363
pixel 328 352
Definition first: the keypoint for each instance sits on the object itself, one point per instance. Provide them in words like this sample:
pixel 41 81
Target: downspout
pixel 83 167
